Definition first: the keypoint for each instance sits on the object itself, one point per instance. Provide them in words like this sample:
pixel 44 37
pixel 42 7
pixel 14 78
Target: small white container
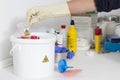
pixel 33 58
pixel 83 44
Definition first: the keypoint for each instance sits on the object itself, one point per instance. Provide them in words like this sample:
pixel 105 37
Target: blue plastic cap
pixel 62 65
pixel 70 55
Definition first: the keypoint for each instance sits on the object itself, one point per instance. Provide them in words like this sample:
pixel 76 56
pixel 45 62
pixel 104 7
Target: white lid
pixel 44 38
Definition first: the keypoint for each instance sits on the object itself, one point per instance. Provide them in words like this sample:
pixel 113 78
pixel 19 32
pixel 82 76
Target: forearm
pixel 77 7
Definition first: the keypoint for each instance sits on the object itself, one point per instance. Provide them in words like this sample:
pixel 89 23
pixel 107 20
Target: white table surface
pixel 99 67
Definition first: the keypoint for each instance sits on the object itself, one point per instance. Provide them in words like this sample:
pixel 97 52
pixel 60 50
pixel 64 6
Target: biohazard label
pixel 45 59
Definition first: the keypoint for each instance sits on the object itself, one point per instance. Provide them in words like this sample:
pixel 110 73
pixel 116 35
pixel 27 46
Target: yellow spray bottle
pixel 72 37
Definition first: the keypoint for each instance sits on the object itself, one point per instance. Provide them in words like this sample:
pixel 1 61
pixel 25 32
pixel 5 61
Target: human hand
pixel 38 13
pixel 33 15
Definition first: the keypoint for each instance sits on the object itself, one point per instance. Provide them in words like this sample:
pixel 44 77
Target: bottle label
pixel 97 43
pixel 59 39
pixel 72 43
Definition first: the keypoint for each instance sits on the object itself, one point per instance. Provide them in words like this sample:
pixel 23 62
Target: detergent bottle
pixel 63 31
pixel 72 37
pixel 97 37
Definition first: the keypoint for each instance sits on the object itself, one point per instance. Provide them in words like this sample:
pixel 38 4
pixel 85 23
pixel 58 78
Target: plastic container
pixel 33 58
pixel 111 47
pixel 63 31
pixel 72 37
pixel 83 44
pixel 98 36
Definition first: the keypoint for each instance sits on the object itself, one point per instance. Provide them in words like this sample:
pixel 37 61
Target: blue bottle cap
pixel 62 65
pixel 70 55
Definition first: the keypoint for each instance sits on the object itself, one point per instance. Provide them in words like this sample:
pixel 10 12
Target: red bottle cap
pixel 63 26
pixel 98 31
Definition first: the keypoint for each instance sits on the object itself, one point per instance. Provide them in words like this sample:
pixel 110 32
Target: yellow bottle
pixel 97 43
pixel 72 38
pixel 98 35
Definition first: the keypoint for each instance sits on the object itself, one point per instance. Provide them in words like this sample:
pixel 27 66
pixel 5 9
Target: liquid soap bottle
pixel 72 37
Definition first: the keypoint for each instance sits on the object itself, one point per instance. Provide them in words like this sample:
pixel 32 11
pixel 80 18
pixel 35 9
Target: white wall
pixel 11 13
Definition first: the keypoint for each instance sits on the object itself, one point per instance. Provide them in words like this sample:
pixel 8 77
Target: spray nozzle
pixel 72 22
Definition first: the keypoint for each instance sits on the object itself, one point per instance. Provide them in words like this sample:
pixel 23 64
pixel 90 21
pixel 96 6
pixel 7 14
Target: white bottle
pixel 63 31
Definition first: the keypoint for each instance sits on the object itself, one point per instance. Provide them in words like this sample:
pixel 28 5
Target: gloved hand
pixel 38 13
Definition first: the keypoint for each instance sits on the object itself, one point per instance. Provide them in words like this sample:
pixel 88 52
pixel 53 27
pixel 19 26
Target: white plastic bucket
pixel 33 58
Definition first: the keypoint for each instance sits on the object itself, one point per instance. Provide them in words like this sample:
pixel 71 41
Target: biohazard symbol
pixel 27 32
pixel 45 59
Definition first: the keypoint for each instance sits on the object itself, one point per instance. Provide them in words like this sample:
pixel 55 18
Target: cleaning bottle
pixel 97 37
pixel 59 38
pixel 63 31
pixel 72 37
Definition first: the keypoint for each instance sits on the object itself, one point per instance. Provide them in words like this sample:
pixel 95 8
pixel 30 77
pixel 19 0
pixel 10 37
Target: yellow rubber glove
pixel 38 13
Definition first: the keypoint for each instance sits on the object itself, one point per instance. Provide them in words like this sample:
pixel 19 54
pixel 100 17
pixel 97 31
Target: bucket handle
pixel 15 48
